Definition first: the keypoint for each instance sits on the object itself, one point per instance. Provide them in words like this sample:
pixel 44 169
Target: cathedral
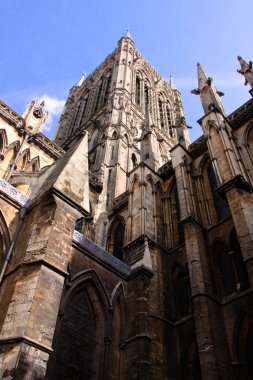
pixel 126 251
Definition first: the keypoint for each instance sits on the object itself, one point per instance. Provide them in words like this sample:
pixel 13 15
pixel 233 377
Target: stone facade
pixel 126 251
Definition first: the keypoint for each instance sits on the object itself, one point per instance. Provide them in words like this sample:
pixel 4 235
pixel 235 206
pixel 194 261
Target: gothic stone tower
pixel 132 117
pixel 130 254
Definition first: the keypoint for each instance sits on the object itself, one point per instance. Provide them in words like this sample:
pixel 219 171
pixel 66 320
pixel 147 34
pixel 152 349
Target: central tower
pixel 132 115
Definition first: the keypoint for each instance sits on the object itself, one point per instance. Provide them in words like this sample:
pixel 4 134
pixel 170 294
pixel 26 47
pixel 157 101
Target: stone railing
pixel 13 193
pixel 101 253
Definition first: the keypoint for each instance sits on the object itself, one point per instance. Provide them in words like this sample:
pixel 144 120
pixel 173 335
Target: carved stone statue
pixel 247 71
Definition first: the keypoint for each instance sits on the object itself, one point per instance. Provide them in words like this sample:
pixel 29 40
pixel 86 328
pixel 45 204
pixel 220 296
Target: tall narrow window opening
pixel 134 161
pixel 107 88
pixel 146 97
pixel 221 205
pixel 118 241
pixel 138 91
pixel 169 120
pixel 160 103
pixel 99 95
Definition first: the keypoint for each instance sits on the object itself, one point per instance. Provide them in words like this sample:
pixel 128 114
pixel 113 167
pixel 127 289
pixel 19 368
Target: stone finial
pixel 209 95
pixel 247 71
pixel 172 83
pixel 81 80
pixel 128 35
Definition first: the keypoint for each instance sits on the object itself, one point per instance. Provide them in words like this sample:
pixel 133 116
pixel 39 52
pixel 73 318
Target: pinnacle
pixel 127 34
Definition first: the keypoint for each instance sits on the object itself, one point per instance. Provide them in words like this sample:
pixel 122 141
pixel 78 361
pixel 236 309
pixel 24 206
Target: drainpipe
pixel 22 214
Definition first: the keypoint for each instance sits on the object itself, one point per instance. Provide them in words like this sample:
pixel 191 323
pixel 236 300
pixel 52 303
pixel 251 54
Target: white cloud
pixel 54 107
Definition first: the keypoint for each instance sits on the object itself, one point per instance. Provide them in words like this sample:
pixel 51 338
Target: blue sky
pixel 47 45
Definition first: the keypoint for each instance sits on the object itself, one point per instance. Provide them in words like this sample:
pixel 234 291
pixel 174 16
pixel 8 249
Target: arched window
pixel 3 141
pixel 107 86
pixel 119 241
pixel 4 239
pixel 114 135
pixel 221 205
pixel 237 261
pixel 244 345
pixel 134 161
pixel 146 97
pixel 169 122
pixel 160 103
pixel 227 276
pixel 98 100
pixel 115 242
pixel 181 291
pixel 94 140
pixel 79 224
pixel 137 91
pixel 79 343
pixel 23 160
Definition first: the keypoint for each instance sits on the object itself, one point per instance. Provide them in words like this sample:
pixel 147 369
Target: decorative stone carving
pixel 13 193
pixel 247 71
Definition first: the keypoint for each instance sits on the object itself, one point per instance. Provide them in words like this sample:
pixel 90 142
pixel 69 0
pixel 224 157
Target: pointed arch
pixel 118 334
pixel 3 141
pixel 248 135
pixel 114 135
pixel 225 271
pixel 116 237
pixel 243 346
pixel 181 290
pixel 11 153
pixel 34 164
pixel 5 239
pixel 94 139
pixel 237 262
pixel 82 329
pixel 23 160
pixel 137 90
pixel 15 145
pixel 134 161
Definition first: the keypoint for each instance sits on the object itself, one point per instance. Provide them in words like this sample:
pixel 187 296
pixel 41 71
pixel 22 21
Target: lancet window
pixel 161 114
pixel 181 289
pixel 146 97
pixel 103 90
pixel 138 91
pixel 221 205
pixel 232 275
pixel 115 241
pixel 169 121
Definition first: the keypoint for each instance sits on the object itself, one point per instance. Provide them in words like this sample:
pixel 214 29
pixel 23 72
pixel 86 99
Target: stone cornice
pixel 241 115
pixel 39 139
